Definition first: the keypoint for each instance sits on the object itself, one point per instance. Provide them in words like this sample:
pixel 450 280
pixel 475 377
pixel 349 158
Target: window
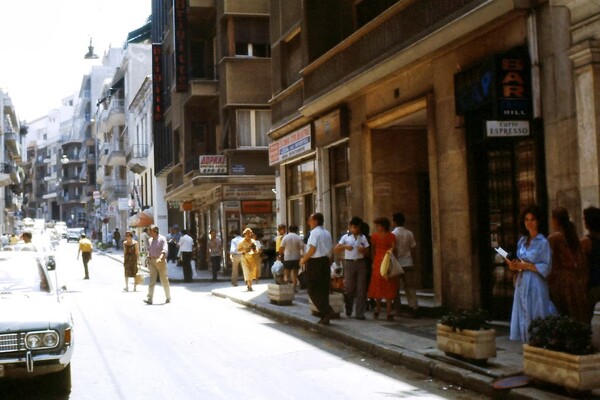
pixel 339 159
pixel 251 37
pixel 291 61
pixel 301 180
pixel 253 127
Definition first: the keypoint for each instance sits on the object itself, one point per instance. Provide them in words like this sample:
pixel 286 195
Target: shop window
pixel 339 158
pixel 253 127
pixel 301 192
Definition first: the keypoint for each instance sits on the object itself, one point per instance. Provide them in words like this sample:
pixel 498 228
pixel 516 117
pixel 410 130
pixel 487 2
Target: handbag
pixel 385 265
pixel 395 268
pixel 139 279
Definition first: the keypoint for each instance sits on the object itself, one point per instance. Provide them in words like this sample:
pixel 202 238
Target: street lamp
pixel 64 159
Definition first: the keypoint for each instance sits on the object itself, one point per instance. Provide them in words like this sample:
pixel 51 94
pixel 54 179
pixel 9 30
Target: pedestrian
pixel 355 247
pixel 532 266
pixel 144 240
pixel 406 246
pixel 291 249
pixel 591 249
pixel 157 264
pixel 382 288
pixel 235 256
pixel 172 239
pixel 281 230
pixel 215 249
pixel 13 239
pixel 5 240
pixel 258 251
pixel 131 257
pixel 26 237
pixel 318 262
pixel 568 278
pixel 85 249
pixel 94 235
pixel 117 238
pixel 248 249
pixel 186 249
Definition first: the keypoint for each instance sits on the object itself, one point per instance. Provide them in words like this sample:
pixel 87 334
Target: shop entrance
pixel 400 171
pixel 507 176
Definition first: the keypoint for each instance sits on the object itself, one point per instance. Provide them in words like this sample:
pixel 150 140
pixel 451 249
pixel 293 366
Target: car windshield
pixel 22 273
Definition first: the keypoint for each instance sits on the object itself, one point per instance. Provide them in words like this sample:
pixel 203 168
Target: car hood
pixel 31 312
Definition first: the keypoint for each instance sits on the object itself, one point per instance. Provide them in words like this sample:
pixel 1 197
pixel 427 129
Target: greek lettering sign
pixel 257 207
pixel 296 143
pixel 157 83
pixel 213 165
pixel 123 203
pixel 507 128
pixel 257 192
pixel 181 60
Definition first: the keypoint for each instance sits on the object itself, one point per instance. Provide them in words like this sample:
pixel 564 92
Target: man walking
pixel 157 264
pixel 117 238
pixel 85 249
pixel 215 250
pixel 236 257
pixel 186 248
pixel 405 244
pixel 318 261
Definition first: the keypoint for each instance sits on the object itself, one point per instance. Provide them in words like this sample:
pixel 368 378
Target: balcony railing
pixel 396 33
pixel 5 168
pixel 137 151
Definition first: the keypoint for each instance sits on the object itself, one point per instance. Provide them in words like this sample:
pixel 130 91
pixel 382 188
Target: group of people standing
pixel 557 275
pixel 362 257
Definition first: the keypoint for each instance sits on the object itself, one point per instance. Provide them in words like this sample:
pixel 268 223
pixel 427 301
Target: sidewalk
pixel 404 341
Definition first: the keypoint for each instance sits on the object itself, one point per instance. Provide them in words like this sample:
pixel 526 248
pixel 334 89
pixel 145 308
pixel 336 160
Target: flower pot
pixel 474 345
pixel 280 294
pixel 580 373
pixel 336 301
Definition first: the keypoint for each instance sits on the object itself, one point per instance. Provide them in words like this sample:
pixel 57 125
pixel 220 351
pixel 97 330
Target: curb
pixel 414 361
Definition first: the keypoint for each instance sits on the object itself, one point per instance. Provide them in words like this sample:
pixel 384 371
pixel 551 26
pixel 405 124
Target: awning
pixel 201 184
pixel 142 218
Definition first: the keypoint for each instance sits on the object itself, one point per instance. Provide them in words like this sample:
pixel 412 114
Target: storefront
pixel 506 163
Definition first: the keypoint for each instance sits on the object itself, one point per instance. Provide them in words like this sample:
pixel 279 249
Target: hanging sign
pixel 507 128
pixel 181 59
pixel 157 83
pixel 213 165
pixel 294 144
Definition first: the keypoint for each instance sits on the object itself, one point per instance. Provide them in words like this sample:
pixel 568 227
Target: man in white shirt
pixel 186 248
pixel 355 247
pixel 235 256
pixel 405 244
pixel 318 261
pixel 291 249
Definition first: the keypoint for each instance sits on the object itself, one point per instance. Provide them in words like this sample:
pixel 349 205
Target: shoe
pixel 86 277
pixel 148 301
pixel 326 320
pixel 249 289
pixel 361 318
pixel 348 309
pixel 390 317
pixel 375 315
pixel 234 284
pixel 167 301
pixel 125 290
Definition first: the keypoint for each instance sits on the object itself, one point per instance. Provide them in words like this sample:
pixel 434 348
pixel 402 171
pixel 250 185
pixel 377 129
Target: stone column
pixel 586 62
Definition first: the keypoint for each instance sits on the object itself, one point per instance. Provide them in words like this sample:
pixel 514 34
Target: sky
pixel 43 42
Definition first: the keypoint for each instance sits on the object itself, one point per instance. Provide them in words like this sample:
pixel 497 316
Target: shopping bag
pixel 394 268
pixel 139 278
pixel 385 265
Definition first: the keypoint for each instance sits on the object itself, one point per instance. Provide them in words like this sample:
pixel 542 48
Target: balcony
pixel 72 179
pixel 116 112
pixel 5 178
pixel 114 187
pixel 116 157
pixel 238 89
pixel 137 158
pixel 11 140
pixel 69 199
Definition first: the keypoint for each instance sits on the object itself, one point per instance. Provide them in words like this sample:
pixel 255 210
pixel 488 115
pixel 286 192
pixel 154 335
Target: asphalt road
pixel 203 347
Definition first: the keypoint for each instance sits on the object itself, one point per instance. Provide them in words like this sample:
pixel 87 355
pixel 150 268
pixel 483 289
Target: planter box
pixel 573 372
pixel 280 294
pixel 474 345
pixel 336 301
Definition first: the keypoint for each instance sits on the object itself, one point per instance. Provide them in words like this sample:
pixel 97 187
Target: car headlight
pixel 41 340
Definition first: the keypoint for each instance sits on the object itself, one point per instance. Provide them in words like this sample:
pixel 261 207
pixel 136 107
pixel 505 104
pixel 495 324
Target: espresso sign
pixel 495 129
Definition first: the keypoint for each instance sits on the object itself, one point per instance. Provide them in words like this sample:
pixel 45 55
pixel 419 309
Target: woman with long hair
pixel 568 279
pixel 532 265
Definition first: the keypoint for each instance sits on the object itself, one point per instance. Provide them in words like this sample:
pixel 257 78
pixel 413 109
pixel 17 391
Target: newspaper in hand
pixel 502 252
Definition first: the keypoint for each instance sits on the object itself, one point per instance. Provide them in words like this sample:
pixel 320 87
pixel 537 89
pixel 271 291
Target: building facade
pixel 211 78
pixel 456 113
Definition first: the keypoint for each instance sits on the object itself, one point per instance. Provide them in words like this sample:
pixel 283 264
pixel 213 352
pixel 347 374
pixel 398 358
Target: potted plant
pixel 560 352
pixel 466 334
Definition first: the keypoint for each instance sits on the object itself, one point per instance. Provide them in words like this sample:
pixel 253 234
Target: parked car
pixel 74 234
pixel 36 328
pixel 61 228
pixel 40 244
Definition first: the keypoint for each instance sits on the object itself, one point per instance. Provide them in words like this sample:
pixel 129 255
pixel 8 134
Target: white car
pixel 36 328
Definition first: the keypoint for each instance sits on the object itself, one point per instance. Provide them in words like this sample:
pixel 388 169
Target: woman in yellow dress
pixel 248 250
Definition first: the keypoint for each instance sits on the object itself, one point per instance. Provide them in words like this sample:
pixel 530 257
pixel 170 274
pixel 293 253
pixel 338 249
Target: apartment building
pixel 211 115
pixel 456 113
pixel 12 175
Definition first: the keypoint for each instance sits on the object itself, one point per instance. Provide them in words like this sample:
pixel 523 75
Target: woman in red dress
pixel 380 287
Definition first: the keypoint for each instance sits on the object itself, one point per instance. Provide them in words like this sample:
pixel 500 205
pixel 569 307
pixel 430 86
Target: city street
pixel 204 347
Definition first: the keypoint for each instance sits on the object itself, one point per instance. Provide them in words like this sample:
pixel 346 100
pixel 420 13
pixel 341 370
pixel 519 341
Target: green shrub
pixel 476 319
pixel 560 333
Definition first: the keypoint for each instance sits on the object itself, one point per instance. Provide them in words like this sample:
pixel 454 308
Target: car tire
pixel 61 381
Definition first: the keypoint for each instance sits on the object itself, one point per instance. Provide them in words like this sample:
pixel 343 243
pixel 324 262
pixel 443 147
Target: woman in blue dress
pixel 532 266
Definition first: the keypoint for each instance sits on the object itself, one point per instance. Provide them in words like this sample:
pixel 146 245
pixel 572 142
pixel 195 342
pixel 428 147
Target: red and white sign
pixel 296 143
pixel 213 165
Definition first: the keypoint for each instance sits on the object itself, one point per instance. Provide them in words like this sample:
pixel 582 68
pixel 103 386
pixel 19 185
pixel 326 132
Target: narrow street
pixel 204 347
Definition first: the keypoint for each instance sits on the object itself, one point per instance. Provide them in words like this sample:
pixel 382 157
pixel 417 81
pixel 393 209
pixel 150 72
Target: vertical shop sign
pixel 513 94
pixel 157 83
pixel 181 59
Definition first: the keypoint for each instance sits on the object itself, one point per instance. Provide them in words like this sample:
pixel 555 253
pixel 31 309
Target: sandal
pixel 390 317
pixel 125 290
